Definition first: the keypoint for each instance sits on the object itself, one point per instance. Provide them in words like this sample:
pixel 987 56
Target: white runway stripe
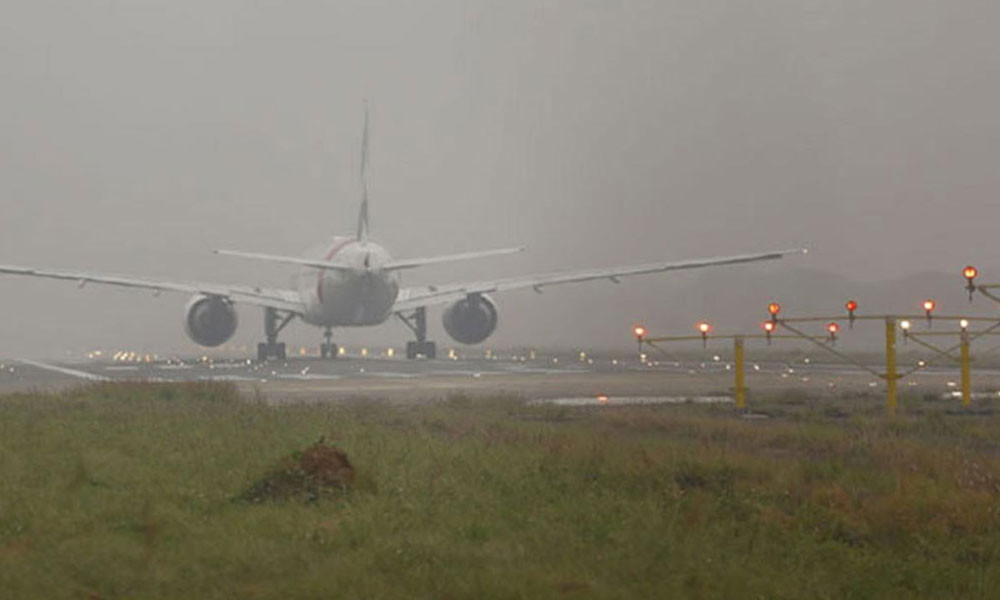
pixel 628 400
pixel 64 370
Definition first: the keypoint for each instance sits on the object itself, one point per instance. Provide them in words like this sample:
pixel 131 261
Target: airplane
pixel 353 281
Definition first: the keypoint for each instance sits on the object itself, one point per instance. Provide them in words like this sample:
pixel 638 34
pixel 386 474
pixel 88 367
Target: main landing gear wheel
pixel 417 322
pixel 274 322
pixel 275 350
pixel 417 349
pixel 328 349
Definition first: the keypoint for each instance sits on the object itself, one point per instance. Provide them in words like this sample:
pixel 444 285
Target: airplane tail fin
pixel 362 234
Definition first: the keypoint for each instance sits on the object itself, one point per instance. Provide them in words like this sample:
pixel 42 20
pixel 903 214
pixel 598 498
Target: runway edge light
pixel 832 328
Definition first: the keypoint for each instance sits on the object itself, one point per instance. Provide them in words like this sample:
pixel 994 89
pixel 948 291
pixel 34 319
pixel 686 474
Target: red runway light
pixel 774 308
pixel 970 273
pixel 833 328
pixel 851 307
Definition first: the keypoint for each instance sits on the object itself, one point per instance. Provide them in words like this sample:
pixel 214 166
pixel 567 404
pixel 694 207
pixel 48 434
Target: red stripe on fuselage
pixel 329 256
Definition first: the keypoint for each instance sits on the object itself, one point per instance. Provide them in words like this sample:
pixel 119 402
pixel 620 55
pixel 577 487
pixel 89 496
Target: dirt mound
pixel 319 470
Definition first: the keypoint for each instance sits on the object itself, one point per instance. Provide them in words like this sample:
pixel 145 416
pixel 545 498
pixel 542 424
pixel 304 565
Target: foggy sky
pixel 135 136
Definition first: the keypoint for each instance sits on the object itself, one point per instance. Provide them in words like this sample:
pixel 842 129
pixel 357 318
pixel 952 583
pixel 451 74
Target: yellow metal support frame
pixel 966 378
pixel 739 355
pixel 739 388
pixel 892 374
pixel 891 377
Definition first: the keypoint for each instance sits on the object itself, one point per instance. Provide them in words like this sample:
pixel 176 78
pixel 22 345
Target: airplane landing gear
pixel 417 322
pixel 416 349
pixel 273 324
pixel 328 349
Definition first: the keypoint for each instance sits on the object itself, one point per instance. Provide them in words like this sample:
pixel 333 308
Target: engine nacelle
pixel 210 320
pixel 471 319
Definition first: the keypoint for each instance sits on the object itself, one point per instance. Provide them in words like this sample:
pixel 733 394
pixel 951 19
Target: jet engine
pixel 470 320
pixel 210 320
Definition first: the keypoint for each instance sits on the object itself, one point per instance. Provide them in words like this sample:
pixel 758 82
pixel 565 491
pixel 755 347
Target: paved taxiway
pixel 399 380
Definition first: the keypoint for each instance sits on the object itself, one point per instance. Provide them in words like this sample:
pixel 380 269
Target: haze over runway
pixel 137 137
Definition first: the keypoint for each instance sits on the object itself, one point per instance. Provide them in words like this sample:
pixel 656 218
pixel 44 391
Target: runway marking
pixel 543 371
pixel 392 375
pixel 469 373
pixel 228 378
pixel 308 377
pixel 64 370
pixel 548 370
pixel 632 400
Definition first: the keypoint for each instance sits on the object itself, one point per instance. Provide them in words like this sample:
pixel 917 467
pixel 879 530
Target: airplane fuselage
pixel 358 293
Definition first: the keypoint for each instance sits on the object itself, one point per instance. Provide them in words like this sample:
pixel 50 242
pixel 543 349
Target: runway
pixel 548 377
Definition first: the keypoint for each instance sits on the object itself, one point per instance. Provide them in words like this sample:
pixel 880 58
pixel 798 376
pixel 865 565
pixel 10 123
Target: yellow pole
pixel 890 365
pixel 740 387
pixel 966 383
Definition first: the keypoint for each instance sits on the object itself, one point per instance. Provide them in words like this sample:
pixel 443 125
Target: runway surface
pixel 552 377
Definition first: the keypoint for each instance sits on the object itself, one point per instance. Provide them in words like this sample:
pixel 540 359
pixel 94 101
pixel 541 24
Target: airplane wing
pixel 410 263
pixel 288 260
pixel 395 265
pixel 286 300
pixel 416 297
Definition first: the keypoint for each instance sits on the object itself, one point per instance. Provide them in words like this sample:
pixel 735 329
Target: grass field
pixel 139 491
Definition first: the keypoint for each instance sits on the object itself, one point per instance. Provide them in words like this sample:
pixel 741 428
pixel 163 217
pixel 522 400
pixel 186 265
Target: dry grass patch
pixel 319 470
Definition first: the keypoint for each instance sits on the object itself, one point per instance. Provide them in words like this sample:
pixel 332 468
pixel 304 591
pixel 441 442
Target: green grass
pixel 133 491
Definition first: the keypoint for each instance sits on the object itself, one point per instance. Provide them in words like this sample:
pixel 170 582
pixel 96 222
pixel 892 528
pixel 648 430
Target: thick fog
pixel 136 136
